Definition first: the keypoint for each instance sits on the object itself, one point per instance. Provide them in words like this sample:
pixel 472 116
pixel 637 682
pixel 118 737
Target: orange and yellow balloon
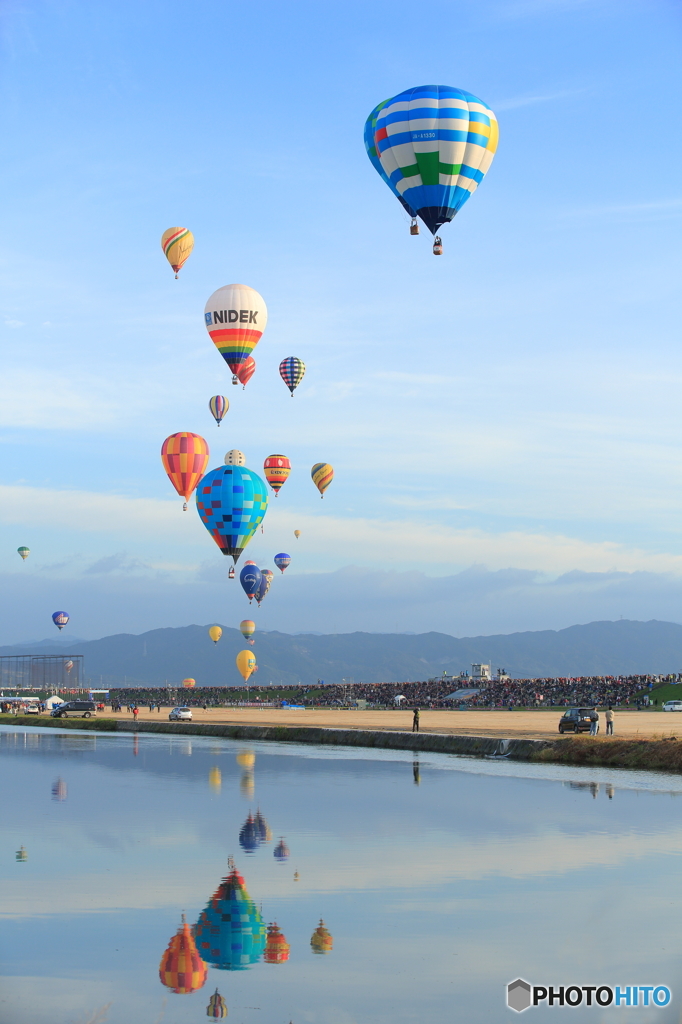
pixel 189 684
pixel 276 470
pixel 177 245
pixel 246 663
pixel 185 458
pixel 181 968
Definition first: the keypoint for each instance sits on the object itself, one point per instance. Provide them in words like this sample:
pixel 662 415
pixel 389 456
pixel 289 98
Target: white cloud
pixel 14 323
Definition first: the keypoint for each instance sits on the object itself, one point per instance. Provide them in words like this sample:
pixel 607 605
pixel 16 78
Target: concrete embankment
pixel 652 754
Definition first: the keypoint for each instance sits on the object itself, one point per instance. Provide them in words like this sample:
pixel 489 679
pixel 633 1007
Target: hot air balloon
pixel 235 458
pixel 181 968
pixel 246 663
pixel 189 684
pixel 297 534
pixel 281 851
pixel 322 474
pixel 249 838
pixel 21 855
pixel 434 144
pixel 276 469
pixel 321 941
pixel 230 932
pixel 218 406
pixel 68 665
pixel 276 946
pixel 246 371
pixel 266 580
pixel 292 371
pixel 215 633
pixel 232 502
pixel 185 457
pixel 217 1007
pixel 248 628
pixel 250 578
pixel 60 619
pixel 235 318
pixel 370 128
pixel 24 552
pixel 262 827
pixel 177 245
pixel 282 560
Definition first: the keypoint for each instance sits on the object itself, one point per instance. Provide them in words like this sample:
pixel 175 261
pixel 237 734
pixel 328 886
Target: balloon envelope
pixel 246 663
pixel 246 370
pixel 181 968
pixel 218 406
pixel 215 633
pixel 235 458
pixel 232 502
pixel 24 552
pixel 297 534
pixel 177 245
pixel 185 458
pixel 189 684
pixel 60 619
pixel 230 932
pixel 248 628
pixel 292 371
pixel 250 578
pixel 276 469
pixel 435 145
pixel 322 474
pixel 235 317
pixel 370 128
pixel 282 560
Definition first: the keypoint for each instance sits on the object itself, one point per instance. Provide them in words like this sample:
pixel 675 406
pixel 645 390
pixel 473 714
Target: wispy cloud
pixel 529 99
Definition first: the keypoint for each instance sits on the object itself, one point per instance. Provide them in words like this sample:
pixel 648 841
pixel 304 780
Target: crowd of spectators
pixel 493 693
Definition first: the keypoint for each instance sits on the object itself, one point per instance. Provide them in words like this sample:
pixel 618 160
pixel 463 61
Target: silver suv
pixel 75 709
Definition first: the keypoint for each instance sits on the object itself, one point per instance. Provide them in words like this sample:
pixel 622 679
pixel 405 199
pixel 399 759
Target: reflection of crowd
pixel 544 692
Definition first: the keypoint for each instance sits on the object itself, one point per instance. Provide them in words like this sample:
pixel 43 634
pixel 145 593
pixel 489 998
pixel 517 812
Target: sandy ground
pixel 531 724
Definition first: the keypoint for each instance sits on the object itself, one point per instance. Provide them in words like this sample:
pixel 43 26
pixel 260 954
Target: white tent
pixel 52 702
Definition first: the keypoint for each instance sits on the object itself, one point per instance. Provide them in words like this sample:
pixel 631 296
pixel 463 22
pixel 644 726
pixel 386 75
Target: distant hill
pixel 598 648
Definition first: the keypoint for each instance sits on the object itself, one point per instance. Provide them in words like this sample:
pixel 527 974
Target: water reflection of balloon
pixel 185 457
pixel 296 876
pixel 292 371
pixel 246 371
pixel 262 827
pixel 246 663
pixel 246 759
pixel 276 946
pixel 281 851
pixel 215 633
pixel 276 470
pixel 21 855
pixel 181 968
pixel 217 1007
pixel 59 790
pixel 189 684
pixel 215 779
pixel 60 619
pixel 232 502
pixel 230 932
pixel 282 560
pixel 321 941
pixel 218 406
pixel 247 784
pixel 322 474
pixel 177 245
pixel 249 838
pixel 24 552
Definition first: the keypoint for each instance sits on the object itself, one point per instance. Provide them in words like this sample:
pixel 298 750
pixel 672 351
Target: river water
pixel 439 879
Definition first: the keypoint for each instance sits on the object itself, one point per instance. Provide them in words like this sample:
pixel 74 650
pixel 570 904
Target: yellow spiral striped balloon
pixel 177 245
pixel 322 474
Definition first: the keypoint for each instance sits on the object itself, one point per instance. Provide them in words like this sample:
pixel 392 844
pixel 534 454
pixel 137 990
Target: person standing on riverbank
pixel 594 722
pixel 415 720
pixel 609 721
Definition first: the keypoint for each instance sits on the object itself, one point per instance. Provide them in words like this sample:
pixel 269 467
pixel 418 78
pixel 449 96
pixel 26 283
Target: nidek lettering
pixel 233 316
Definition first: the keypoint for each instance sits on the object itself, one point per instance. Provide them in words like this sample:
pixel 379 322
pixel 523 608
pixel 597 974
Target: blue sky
pixel 513 405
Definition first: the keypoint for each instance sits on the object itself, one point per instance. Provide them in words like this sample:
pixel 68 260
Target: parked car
pixel 673 705
pixel 576 720
pixel 32 709
pixel 180 715
pixel 75 709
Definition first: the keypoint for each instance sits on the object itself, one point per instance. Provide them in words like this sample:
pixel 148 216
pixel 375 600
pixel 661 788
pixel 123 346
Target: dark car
pixel 576 720
pixel 75 709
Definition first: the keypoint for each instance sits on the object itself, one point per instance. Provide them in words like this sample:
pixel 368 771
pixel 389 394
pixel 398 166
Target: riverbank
pixel 661 753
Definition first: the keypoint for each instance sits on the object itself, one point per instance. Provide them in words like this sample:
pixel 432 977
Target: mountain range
pixel 168 655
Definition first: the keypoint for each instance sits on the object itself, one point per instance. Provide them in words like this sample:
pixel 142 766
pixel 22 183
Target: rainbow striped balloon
pixel 322 474
pixel 435 145
pixel 177 245
pixel 235 318
pixel 292 371
pixel 218 406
